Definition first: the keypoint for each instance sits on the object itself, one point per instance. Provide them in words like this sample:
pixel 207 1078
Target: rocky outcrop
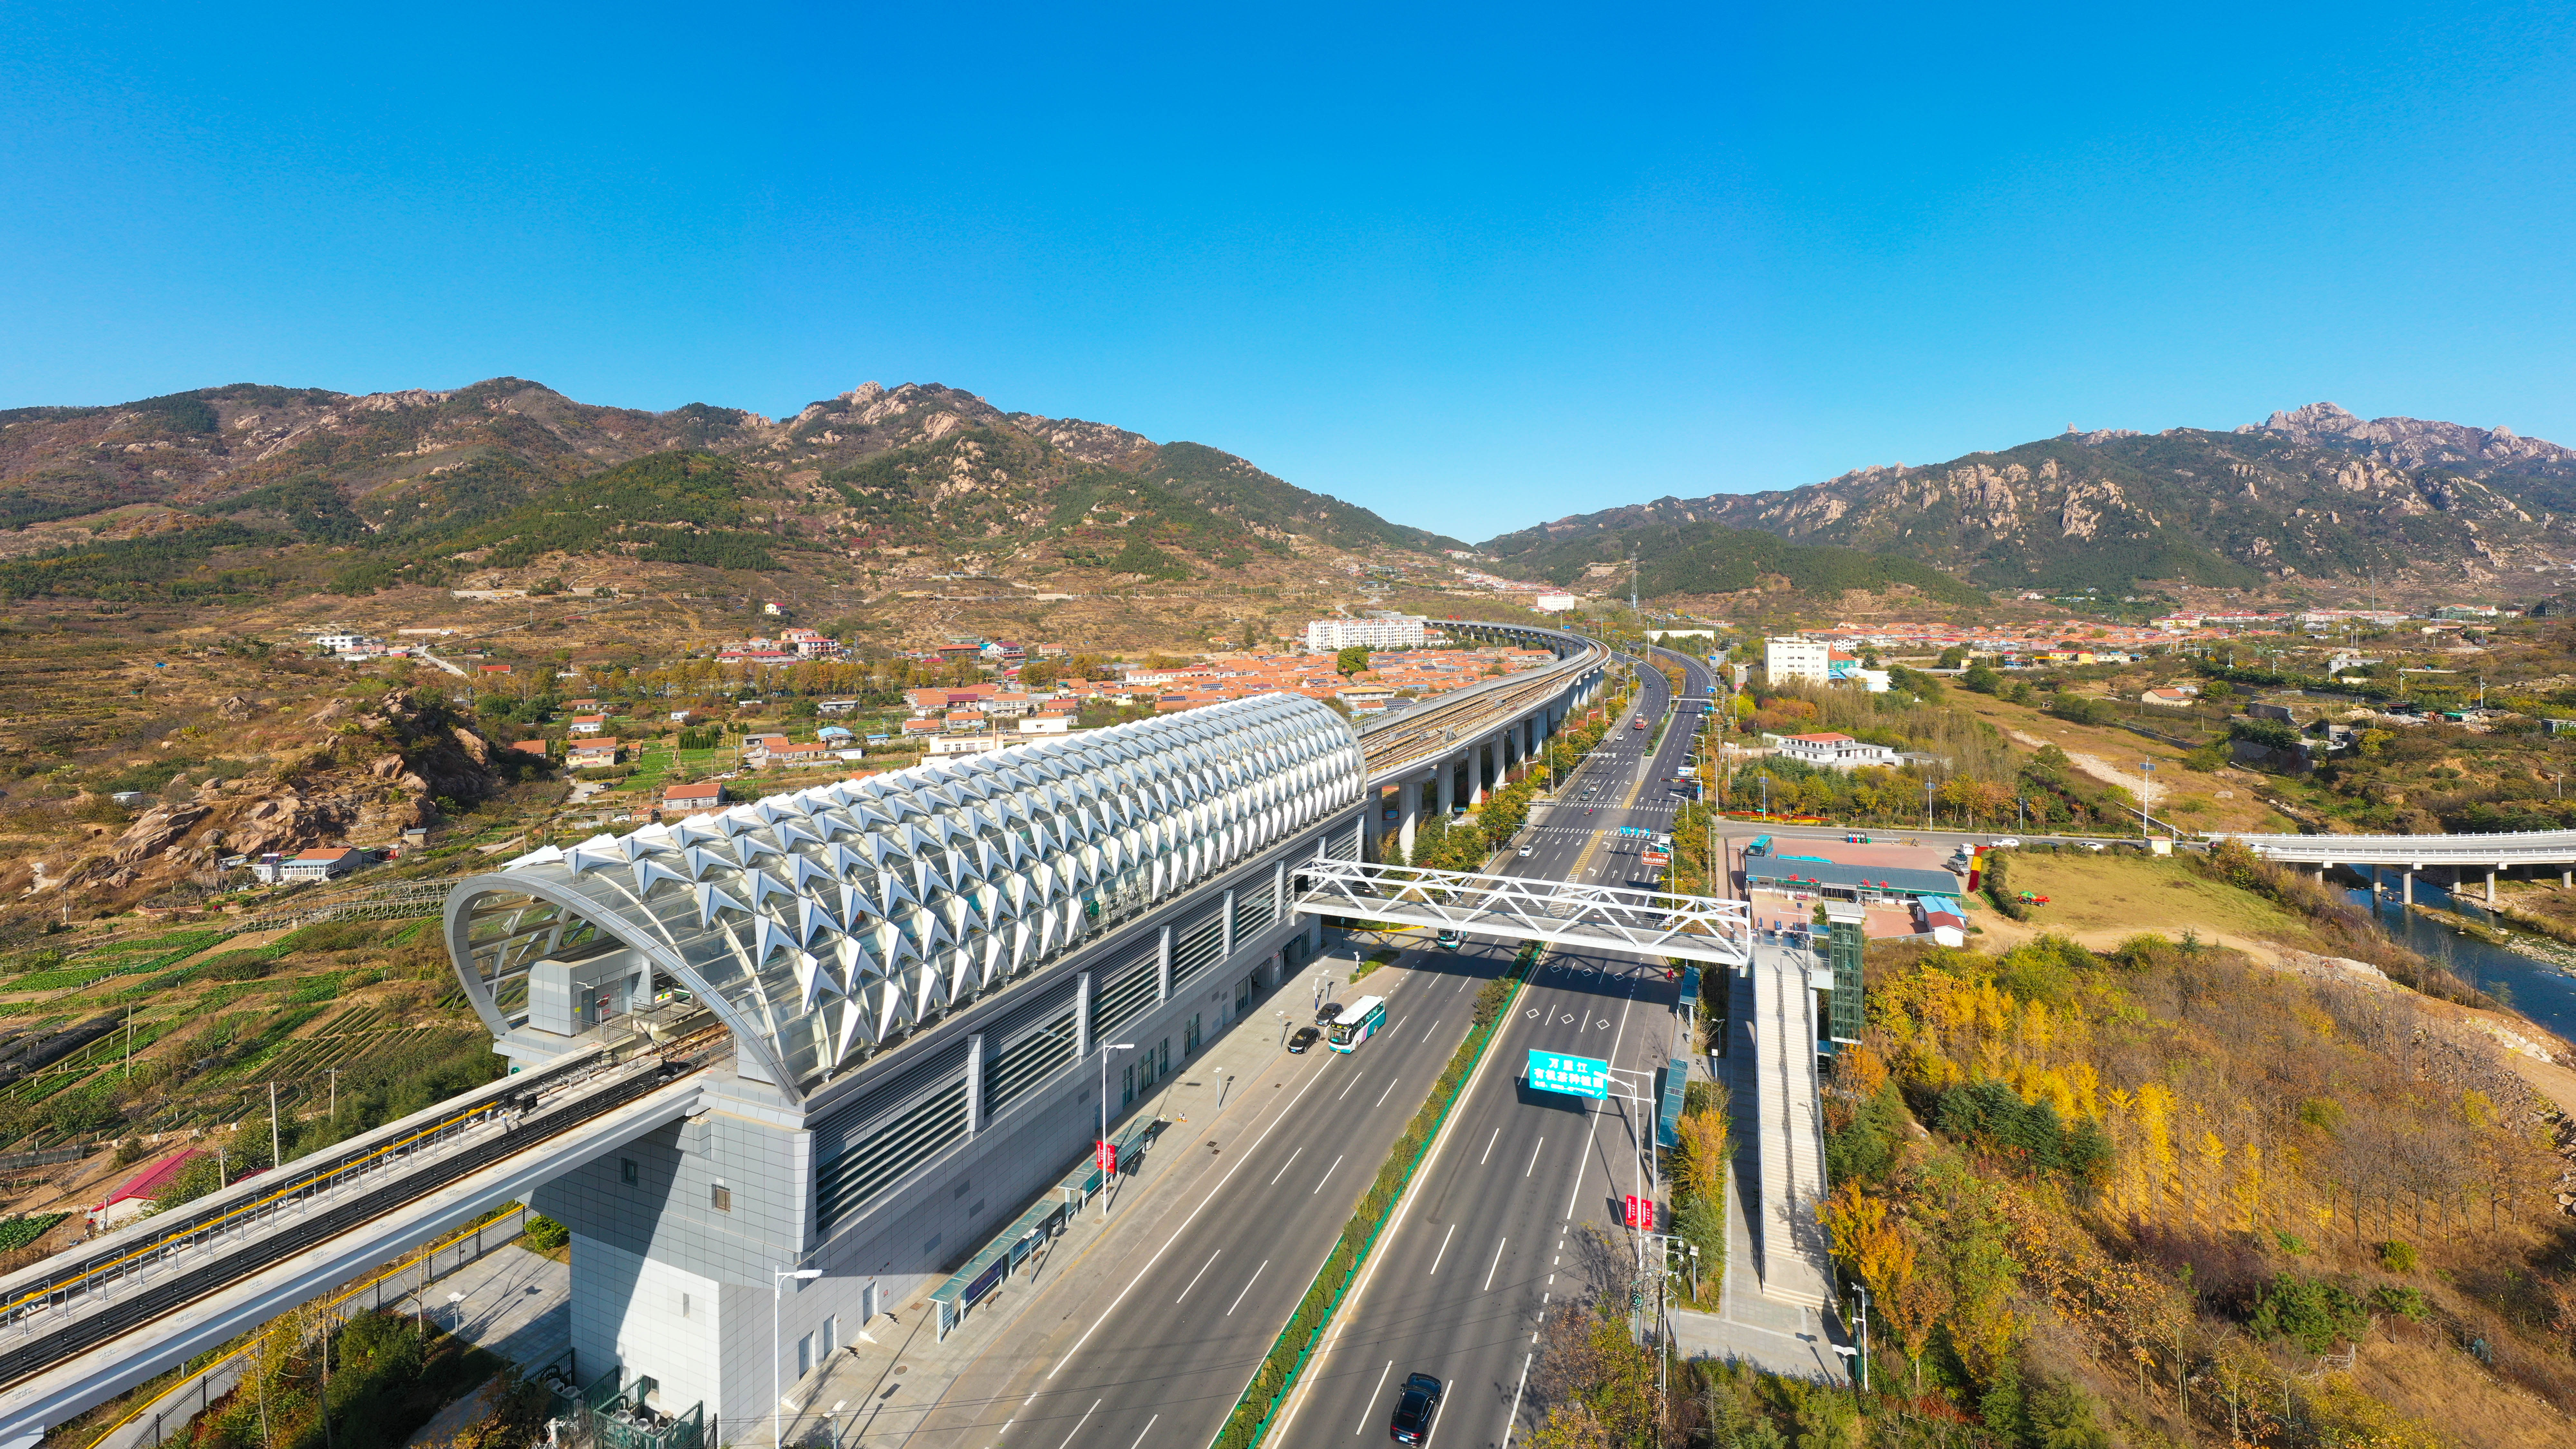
pixel 2417 442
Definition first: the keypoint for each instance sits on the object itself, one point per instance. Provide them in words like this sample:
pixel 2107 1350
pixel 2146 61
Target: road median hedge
pixel 1280 1367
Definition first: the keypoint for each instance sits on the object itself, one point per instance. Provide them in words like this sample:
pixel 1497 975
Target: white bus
pixel 1358 1022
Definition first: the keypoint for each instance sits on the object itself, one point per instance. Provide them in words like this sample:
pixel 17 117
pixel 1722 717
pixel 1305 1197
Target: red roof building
pixel 133 1198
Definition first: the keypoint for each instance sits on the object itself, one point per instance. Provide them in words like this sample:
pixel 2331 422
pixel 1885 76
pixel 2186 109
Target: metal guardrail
pixel 387 1171
pixel 2521 847
pixel 130 1431
pixel 1427 732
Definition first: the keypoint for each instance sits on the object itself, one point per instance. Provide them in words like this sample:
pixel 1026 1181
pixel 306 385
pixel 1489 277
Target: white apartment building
pixel 1832 751
pixel 1401 631
pixel 1784 660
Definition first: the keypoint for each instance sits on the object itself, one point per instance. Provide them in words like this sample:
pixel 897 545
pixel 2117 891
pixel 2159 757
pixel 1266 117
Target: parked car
pixel 1304 1037
pixel 1328 1013
pixel 1413 1410
pixel 2009 842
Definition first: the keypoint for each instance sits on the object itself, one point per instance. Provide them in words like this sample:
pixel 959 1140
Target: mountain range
pixel 234 489
pixel 255 490
pixel 2310 495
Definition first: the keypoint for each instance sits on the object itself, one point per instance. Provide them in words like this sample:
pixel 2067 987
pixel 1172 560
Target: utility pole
pixel 276 1152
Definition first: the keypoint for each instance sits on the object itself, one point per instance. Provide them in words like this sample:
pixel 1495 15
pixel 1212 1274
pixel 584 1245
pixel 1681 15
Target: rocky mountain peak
pixel 2417 442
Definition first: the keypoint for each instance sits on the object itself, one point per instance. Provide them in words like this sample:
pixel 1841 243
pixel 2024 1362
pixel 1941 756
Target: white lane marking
pixel 1533 1162
pixel 1247 1287
pixel 1444 1249
pixel 1580 1158
pixel 1514 1417
pixel 1371 1411
pixel 1283 1167
pixel 1489 1145
pixel 1435 1026
pixel 1077 1425
pixel 1141 1433
pixel 1399 1023
pixel 1213 1193
pixel 1498 1262
pixel 1355 1081
pixel 1381 1097
pixel 1202 1272
pixel 1327 1177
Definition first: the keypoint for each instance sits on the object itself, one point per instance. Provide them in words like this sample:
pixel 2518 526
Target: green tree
pixel 1353 660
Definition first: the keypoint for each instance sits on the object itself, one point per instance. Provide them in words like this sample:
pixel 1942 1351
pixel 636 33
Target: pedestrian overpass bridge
pixel 890 993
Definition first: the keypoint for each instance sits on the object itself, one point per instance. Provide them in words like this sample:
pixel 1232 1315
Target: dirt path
pixel 2093 765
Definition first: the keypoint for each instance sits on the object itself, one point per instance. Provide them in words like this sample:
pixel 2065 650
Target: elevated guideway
pixel 2498 851
pixel 2409 855
pixel 1403 744
pixel 86 1324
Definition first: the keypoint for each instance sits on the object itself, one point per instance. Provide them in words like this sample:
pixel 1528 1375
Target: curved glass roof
pixel 826 924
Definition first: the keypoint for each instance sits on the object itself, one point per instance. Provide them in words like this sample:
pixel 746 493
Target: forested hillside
pixel 247 489
pixel 2310 496
pixel 1701 559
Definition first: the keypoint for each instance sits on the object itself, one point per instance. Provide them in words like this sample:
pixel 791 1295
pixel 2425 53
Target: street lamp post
pixel 1100 1154
pixel 777 1394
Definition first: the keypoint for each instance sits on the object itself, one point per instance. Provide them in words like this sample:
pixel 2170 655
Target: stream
pixel 2530 984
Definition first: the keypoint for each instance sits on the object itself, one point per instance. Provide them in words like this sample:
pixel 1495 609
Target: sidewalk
pixel 514 1302
pixel 876 1391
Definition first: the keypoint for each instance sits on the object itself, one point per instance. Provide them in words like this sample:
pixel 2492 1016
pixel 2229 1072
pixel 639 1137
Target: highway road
pixel 1498 1228
pixel 1192 1292
pixel 1189 1298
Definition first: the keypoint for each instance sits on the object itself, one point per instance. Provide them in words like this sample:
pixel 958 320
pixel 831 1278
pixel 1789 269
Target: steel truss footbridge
pixel 1522 908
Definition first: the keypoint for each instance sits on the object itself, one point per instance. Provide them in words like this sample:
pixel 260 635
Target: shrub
pixel 543 1233
pixel 1997 885
pixel 2397 1257
pixel 2310 1312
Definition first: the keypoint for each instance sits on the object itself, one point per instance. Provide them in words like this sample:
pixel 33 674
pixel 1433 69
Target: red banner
pixel 1106 1156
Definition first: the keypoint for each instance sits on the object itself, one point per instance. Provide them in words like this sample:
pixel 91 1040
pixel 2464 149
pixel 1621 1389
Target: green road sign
pixel 1576 1076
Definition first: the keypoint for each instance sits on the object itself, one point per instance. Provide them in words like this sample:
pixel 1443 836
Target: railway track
pixel 73 1302
pixel 1421 735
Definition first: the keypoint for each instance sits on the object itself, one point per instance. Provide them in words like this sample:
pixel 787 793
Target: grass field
pixel 2101 900
pixel 2184 796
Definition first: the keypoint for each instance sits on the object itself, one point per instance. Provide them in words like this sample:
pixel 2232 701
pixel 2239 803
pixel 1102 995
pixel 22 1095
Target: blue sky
pixel 1472 268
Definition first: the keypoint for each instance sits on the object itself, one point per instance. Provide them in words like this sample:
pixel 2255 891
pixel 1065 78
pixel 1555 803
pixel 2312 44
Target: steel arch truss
pixel 1592 917
pixel 826 924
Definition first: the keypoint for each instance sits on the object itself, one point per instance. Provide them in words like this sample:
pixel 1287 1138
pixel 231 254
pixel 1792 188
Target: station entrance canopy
pixel 826 925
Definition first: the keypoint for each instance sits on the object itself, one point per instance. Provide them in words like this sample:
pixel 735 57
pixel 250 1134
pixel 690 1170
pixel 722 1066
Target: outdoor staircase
pixel 1790 1124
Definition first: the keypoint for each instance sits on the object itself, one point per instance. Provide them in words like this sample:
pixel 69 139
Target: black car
pixel 1328 1013
pixel 1414 1410
pixel 1304 1037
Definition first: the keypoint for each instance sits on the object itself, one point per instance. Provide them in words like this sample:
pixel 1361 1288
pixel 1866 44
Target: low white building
pixel 1329 636
pixel 1832 751
pixel 966 744
pixel 1793 659
pixel 324 863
